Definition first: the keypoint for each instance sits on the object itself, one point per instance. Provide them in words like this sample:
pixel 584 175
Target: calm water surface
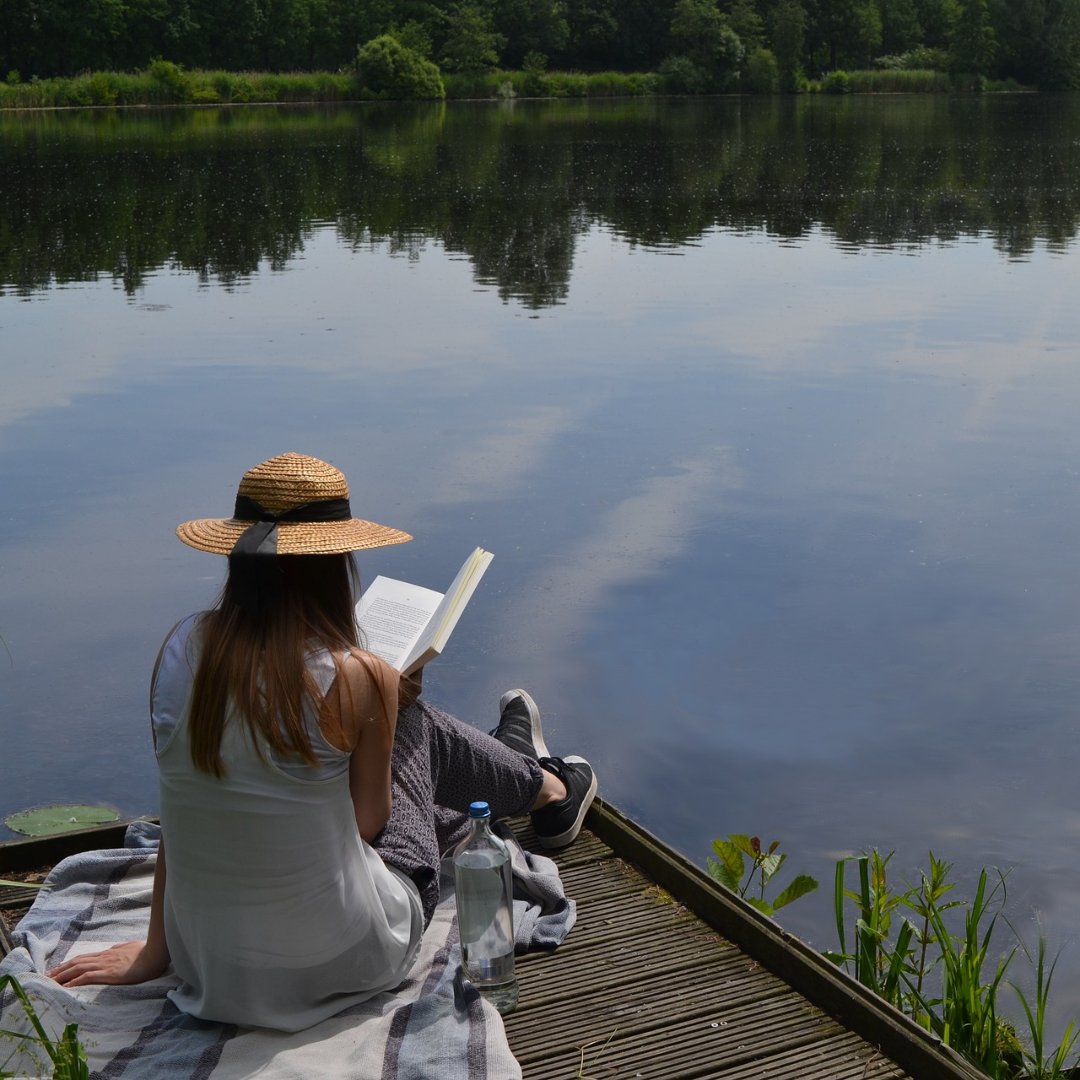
pixel 768 411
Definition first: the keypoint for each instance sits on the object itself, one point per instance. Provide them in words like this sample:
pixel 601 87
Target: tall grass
pixel 165 83
pixel 551 84
pixel 66 1055
pixel 937 959
pixel 899 82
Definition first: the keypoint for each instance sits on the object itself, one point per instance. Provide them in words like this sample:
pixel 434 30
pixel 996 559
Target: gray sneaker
pixel 519 725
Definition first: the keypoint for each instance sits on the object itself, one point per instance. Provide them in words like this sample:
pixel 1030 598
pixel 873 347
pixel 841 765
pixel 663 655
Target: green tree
pixel 387 69
pixel 282 34
pixel 700 32
pixel 1039 41
pixel 974 43
pixel 538 26
pixel 593 34
pixel 744 19
pixel 643 33
pixel 415 35
pixel 851 32
pixel 1060 67
pixel 787 32
pixel 762 74
pixel 471 45
pixel 900 29
pixel 937 19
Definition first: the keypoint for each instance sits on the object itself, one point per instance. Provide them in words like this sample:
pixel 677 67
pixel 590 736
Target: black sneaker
pixel 519 725
pixel 558 824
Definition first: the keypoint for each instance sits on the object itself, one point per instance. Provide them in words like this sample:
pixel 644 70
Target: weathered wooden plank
pixel 6 944
pixel 587 1008
pixel 841 1057
pixel 802 967
pixel 49 850
pixel 694 1047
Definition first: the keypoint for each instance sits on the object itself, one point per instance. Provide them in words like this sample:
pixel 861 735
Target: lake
pixel 767 409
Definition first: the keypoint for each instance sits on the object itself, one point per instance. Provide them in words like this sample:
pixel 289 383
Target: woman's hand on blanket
pixel 128 962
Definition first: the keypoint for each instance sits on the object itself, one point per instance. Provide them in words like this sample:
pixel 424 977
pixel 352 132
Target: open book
pixel 407 625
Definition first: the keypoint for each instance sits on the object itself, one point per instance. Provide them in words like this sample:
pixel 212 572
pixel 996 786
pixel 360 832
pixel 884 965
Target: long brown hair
pixel 252 656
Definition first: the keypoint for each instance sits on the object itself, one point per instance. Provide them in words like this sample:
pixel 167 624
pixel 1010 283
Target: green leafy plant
pixel 966 1018
pixel 730 867
pixel 873 960
pixel 900 945
pixel 66 1054
pixel 1039 1062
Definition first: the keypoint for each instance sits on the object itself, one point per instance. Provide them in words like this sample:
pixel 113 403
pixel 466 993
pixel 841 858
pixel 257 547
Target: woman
pixel 306 792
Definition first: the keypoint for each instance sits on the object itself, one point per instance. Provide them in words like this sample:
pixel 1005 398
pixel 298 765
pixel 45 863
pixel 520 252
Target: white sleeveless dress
pixel 277 913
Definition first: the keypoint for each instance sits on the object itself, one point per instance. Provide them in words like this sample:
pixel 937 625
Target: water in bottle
pixel 483 882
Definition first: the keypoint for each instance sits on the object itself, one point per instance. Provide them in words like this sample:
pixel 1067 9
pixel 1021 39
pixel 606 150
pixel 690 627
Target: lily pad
pixel 50 820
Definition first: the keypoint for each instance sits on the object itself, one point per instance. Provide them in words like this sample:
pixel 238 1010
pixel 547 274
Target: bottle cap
pixel 479 810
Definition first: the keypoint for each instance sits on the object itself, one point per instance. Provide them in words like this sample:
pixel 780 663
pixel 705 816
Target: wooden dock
pixel 666 976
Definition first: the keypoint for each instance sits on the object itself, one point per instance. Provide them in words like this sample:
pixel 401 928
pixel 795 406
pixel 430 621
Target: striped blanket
pixel 434 1026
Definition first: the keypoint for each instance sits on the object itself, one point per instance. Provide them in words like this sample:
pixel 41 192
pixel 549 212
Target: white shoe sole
pixel 568 836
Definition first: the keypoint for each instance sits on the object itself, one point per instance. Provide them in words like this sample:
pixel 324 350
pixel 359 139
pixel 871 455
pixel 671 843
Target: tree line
pixel 701 45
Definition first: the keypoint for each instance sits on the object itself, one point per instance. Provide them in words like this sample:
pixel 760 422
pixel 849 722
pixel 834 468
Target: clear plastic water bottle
pixel 484 886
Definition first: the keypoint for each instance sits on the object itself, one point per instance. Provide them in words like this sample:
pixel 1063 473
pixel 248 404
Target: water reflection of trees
pixel 220 193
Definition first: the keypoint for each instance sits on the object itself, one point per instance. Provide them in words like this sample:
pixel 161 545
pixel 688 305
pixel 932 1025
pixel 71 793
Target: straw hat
pixel 291 504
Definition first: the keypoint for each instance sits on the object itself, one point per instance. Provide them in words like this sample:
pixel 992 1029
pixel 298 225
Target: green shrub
pixel 73 92
pixel 170 81
pixel 731 867
pixel 925 57
pixel 387 69
pixel 1005 86
pixel 103 89
pixel 762 74
pixel 836 82
pixel 682 76
pixel 970 83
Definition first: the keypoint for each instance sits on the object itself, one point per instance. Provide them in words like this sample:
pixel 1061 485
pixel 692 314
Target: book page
pixel 432 639
pixel 391 615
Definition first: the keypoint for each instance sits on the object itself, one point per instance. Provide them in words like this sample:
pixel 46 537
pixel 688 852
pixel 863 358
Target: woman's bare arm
pixel 361 707
pixel 129 961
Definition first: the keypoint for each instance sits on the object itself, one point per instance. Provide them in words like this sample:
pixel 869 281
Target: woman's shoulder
pixel 179 642
pixel 371 662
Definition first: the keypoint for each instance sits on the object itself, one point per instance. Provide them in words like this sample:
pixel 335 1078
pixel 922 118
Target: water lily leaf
pixel 50 820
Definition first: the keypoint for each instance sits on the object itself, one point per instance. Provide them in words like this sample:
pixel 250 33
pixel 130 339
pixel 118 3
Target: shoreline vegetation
pixel 164 83
pixel 181 52
pixel 933 955
pixel 191 51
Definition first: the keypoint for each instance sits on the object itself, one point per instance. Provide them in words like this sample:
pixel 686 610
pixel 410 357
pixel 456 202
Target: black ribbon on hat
pixel 261 537
pixel 255 583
